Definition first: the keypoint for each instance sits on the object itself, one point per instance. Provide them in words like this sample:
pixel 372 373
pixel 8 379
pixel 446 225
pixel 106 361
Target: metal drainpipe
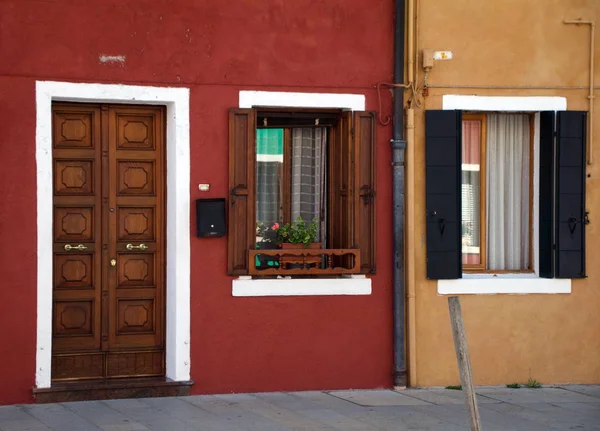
pixel 398 147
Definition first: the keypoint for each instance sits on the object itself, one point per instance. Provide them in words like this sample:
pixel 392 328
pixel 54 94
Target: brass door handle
pixel 136 247
pixel 70 247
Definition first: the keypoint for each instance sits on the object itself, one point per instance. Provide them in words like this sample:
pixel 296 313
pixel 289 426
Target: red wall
pixel 216 48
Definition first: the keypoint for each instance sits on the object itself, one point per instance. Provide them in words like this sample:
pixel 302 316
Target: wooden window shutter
pixel 340 185
pixel 241 225
pixel 570 194
pixel 443 145
pixel 364 189
pixel 546 196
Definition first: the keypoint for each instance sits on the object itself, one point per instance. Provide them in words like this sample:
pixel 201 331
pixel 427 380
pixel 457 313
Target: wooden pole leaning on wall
pixel 464 363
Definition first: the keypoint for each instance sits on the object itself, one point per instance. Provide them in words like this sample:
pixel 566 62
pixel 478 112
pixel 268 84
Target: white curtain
pixel 308 176
pixel 508 180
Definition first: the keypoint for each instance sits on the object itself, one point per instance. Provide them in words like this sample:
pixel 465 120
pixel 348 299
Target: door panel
pixel 73 224
pixel 136 178
pixel 77 211
pixel 108 297
pixel 73 126
pixel 73 271
pixel 136 270
pixel 140 364
pixel 78 366
pixel 74 177
pixel 135 131
pixel 136 224
pixel 136 305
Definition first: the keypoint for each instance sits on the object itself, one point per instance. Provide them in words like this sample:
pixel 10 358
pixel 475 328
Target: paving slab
pixel 549 415
pixel 568 407
pixel 339 421
pixel 23 426
pixel 543 395
pixel 156 419
pixel 325 400
pixel 103 417
pixel 580 407
pixel 409 418
pixel 443 396
pixel 590 390
pixel 284 417
pixel 233 414
pixel 183 409
pixel 490 420
pixel 315 411
pixel 378 398
pixel 13 418
pixel 56 416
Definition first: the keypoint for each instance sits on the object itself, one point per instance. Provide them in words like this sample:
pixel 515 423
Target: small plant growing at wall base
pixel 533 384
pixel 514 386
pixel 454 387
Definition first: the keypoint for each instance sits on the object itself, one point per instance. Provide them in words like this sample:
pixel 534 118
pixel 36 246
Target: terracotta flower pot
pixel 289 245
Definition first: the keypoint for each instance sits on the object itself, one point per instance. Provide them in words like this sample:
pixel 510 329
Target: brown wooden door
pixel 109 242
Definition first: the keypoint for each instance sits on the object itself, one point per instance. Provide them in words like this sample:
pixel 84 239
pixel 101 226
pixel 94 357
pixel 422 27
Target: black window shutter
pixel 443 144
pixel 570 194
pixel 546 213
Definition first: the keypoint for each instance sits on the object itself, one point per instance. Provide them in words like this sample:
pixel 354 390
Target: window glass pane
pixel 308 175
pixel 508 196
pixel 471 192
pixel 269 187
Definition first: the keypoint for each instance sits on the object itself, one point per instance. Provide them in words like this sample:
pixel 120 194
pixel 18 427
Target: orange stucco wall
pixel 551 338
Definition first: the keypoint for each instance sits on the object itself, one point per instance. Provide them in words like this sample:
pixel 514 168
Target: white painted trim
pixel 491 284
pixel 178 212
pixel 355 285
pixel 502 103
pixel 269 158
pixel 509 283
pixel 470 167
pixel 354 102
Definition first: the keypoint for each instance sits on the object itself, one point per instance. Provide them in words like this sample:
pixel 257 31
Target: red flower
pixel 275 226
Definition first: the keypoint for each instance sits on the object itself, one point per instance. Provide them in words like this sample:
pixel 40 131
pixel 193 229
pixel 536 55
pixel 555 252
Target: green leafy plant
pixel 513 386
pixel 297 232
pixel 533 384
pixel 454 387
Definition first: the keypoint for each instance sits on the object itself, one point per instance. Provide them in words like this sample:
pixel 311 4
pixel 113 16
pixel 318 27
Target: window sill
pixel 493 284
pixel 346 285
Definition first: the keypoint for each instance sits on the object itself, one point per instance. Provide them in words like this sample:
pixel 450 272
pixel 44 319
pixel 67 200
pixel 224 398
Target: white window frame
pixel 507 283
pixel 178 212
pixel 246 286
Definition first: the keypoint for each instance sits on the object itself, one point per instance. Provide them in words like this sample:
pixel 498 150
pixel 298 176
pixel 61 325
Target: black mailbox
pixel 210 217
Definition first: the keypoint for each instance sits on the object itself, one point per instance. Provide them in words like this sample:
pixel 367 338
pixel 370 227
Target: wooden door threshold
pixel 111 389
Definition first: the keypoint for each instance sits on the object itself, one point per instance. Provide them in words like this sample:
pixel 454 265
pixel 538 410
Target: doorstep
pixel 111 389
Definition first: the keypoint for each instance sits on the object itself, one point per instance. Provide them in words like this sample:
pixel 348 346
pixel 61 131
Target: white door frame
pixel 178 212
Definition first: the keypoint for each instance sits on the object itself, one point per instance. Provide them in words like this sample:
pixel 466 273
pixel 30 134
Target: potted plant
pixel 297 234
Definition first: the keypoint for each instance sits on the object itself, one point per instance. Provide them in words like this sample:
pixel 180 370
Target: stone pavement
pixel 573 407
